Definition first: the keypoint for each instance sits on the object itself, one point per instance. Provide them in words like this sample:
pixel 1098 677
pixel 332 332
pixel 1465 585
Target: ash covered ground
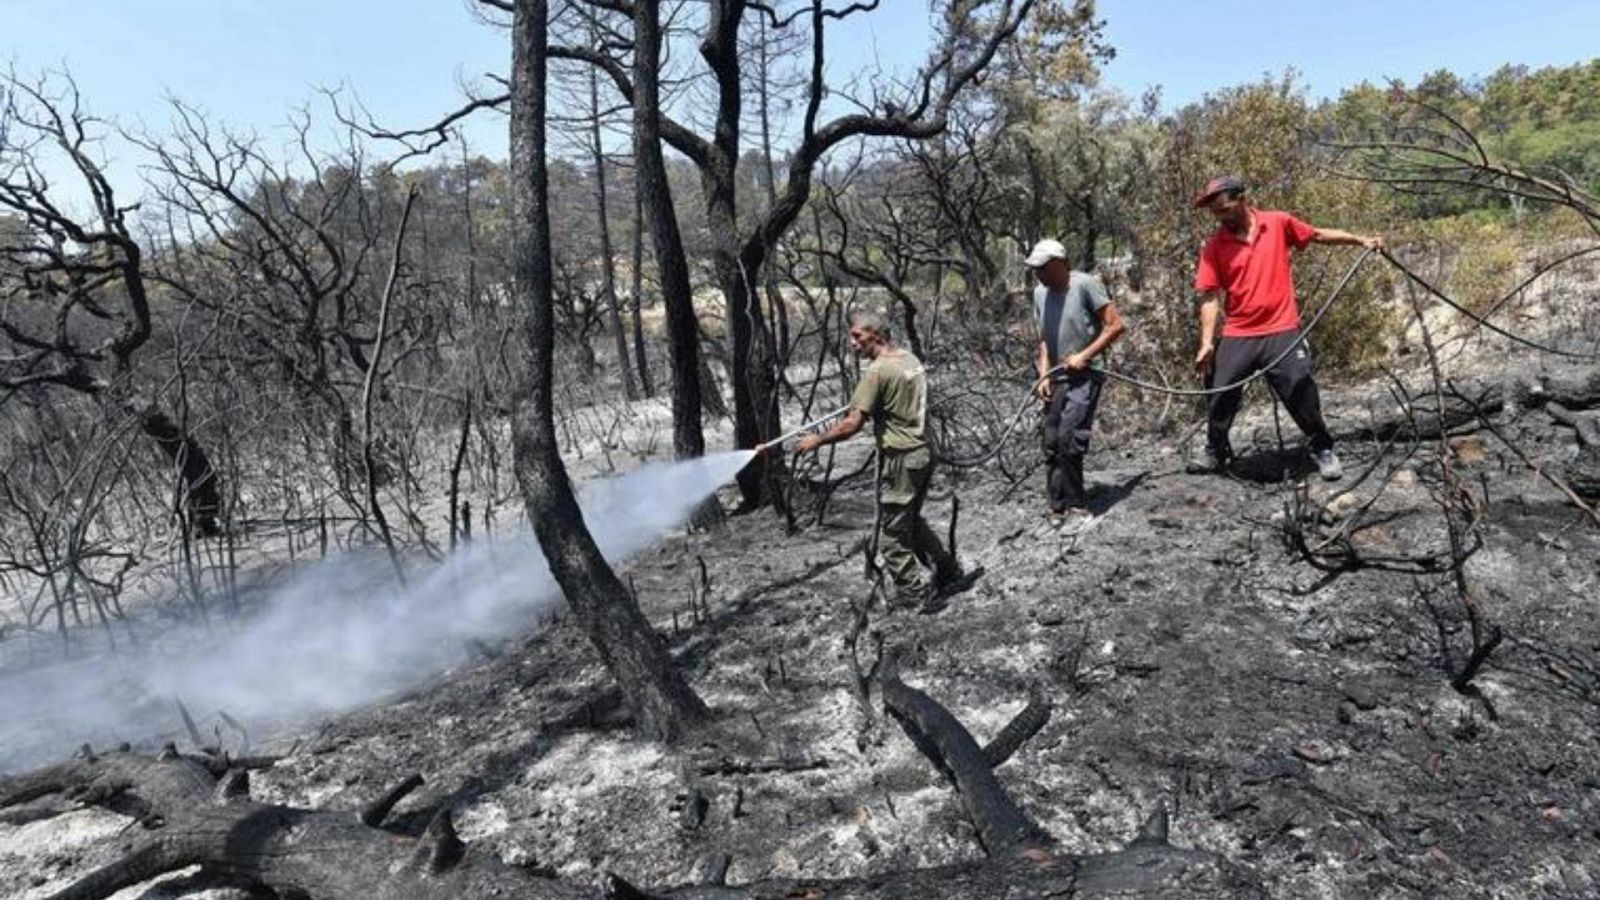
pixel 1300 723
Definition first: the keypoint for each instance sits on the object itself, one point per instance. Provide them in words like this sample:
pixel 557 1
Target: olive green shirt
pixel 894 392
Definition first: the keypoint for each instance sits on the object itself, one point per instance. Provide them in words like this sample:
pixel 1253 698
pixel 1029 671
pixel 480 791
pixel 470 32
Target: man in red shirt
pixel 1246 265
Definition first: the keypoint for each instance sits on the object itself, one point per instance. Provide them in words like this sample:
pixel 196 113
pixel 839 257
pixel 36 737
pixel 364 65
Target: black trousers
pixel 1067 422
pixel 1238 358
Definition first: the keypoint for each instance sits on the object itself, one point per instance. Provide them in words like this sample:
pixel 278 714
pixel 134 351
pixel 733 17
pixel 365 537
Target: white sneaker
pixel 1208 463
pixel 1328 464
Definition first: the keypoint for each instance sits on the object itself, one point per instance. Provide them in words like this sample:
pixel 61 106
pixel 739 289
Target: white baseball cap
pixel 1043 252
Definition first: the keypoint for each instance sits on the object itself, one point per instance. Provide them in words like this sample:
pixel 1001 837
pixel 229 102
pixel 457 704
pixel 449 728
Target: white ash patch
pixel 484 819
pixel 38 859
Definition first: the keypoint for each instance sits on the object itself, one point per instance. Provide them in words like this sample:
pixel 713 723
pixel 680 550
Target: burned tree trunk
pixel 751 372
pixel 753 377
pixel 608 269
pixel 683 334
pixel 201 496
pixel 636 306
pixel 660 697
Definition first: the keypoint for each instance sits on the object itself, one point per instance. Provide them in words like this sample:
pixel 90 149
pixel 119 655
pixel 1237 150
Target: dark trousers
pixel 1068 418
pixel 1239 358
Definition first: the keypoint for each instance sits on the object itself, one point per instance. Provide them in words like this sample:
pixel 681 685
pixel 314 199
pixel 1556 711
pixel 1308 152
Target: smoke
pixel 335 636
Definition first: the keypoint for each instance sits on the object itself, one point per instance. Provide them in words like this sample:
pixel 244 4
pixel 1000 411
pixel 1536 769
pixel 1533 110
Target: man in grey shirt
pixel 1077 320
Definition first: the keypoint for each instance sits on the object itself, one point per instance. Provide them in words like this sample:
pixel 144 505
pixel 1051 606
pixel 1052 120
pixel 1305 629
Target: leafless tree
pixel 608 269
pixel 75 288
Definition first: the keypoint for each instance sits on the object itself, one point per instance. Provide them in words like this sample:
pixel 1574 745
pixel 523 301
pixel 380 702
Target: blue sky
pixel 1195 47
pixel 249 62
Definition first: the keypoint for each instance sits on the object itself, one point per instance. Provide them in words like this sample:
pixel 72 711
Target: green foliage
pixel 1544 121
pixel 1543 98
pixel 1572 148
pixel 1056 55
pixel 1484 252
pixel 1352 339
pixel 1073 168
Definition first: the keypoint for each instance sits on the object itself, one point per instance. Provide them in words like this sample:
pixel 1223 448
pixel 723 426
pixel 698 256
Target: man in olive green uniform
pixel 894 393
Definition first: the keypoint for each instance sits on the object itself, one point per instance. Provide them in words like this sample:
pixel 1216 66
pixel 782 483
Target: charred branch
pixel 1003 828
pixel 373 814
pixel 1022 726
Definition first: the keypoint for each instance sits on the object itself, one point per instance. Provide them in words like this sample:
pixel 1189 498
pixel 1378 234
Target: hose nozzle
pixel 812 427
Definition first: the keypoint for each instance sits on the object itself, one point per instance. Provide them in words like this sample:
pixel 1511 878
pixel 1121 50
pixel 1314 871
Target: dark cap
pixel 1218 185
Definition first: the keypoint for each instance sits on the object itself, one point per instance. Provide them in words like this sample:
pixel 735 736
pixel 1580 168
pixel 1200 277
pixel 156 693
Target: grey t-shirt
pixel 1067 317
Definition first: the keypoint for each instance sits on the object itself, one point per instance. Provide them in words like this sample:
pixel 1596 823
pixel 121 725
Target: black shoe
pixel 941 590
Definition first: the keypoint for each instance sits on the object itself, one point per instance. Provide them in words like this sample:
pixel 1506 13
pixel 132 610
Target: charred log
pixel 1570 391
pixel 1586 427
pixel 1427 414
pixel 316 853
pixel 1582 472
pixel 1003 828
pixel 1424 417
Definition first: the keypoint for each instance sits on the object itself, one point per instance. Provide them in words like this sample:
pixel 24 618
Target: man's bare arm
pixel 1112 326
pixel 843 431
pixel 1346 238
pixel 1042 389
pixel 1210 311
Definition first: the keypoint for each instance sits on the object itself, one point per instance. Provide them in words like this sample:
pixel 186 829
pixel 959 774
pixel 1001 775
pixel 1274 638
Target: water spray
pixel 294 657
pixel 815 426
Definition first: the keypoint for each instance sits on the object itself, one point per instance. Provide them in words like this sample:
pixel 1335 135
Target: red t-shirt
pixel 1255 274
